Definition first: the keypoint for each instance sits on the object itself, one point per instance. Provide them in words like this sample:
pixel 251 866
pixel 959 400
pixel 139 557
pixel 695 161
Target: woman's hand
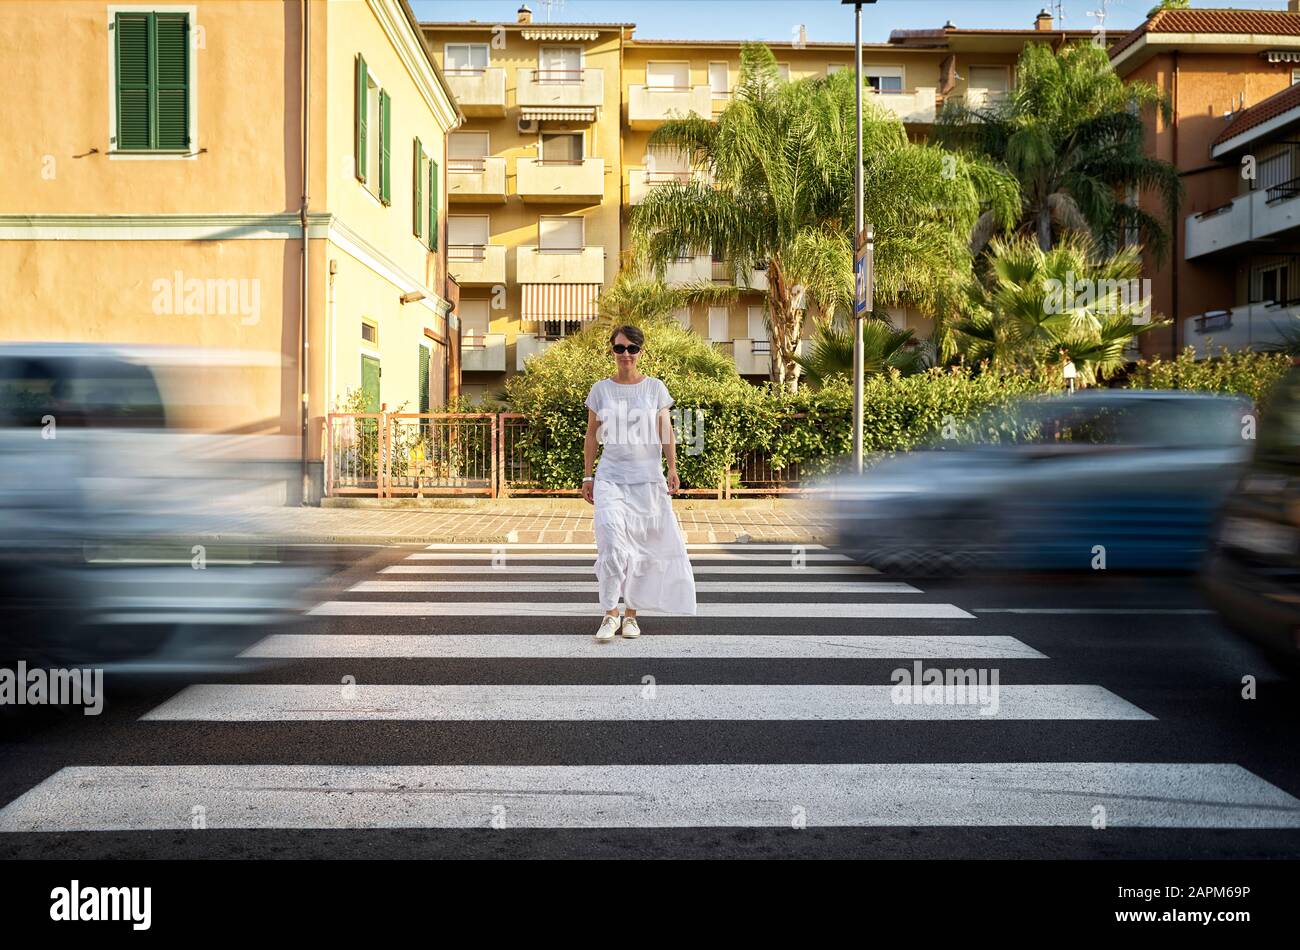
pixel 589 492
pixel 674 482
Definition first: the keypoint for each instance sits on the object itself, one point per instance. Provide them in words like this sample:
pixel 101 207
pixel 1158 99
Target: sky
pixel 825 20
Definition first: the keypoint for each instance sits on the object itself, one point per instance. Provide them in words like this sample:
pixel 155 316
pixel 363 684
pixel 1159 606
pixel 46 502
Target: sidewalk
pixel 522 520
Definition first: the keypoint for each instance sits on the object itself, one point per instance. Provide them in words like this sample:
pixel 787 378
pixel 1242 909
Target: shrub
pixel 1250 374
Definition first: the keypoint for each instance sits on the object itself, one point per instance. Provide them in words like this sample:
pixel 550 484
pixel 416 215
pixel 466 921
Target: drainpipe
pixel 304 379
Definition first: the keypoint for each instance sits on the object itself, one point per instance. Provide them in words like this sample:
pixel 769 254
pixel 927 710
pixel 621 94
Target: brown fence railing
pixel 429 454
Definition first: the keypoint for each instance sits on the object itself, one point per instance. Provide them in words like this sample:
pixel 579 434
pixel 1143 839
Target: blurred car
pixel 113 504
pixel 1121 479
pixel 1252 571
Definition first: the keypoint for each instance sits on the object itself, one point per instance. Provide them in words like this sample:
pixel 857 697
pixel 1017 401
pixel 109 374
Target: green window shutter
pixel 385 137
pixel 172 81
pixel 370 374
pixel 133 90
pixel 418 217
pixel 433 205
pixel 361 118
pixel 424 378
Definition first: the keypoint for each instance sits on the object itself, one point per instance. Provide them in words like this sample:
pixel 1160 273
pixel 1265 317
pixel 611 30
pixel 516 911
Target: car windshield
pixel 1279 430
pixel 100 393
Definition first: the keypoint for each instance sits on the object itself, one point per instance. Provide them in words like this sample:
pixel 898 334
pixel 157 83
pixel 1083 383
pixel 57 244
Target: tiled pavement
pixel 527 520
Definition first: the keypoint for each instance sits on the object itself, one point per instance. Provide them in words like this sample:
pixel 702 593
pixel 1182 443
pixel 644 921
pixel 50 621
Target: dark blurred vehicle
pixel 1252 571
pixel 109 504
pixel 1121 479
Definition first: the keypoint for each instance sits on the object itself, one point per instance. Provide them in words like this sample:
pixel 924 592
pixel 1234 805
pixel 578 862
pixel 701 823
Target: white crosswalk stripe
pixel 451 581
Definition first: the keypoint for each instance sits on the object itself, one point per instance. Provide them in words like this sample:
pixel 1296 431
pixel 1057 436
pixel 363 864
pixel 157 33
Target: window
pixel 757 327
pixel 833 68
pixel 718 81
pixel 783 71
pixel 666 163
pixel 467 151
pixel 1273 281
pixel 1295 76
pixel 683 316
pixel 424 198
pixel 467 236
pixel 992 78
pixel 560 235
pixel 374 125
pixel 463 58
pixel 475 319
pixel 562 148
pixel 667 75
pixel 718 323
pixel 559 64
pixel 369 333
pixel 152 82
pixel 887 80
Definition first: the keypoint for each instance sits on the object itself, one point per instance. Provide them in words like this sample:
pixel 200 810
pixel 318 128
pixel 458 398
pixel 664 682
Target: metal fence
pixel 430 454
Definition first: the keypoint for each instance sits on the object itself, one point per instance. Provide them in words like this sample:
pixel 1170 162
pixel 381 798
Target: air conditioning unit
pixel 527 126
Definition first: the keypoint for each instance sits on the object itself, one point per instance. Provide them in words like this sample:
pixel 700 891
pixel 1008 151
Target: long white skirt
pixel 640 551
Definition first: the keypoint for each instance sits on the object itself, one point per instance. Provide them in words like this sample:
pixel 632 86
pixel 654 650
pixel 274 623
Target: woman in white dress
pixel 640 551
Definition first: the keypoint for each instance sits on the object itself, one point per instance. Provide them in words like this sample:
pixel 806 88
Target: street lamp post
pixel 862 238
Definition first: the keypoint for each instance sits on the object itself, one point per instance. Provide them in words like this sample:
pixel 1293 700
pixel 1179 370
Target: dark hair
pixel 632 333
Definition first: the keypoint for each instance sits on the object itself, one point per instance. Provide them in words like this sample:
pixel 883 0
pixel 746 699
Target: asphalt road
pixel 429 710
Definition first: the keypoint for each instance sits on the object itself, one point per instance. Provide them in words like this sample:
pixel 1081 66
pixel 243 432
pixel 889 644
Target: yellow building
pixel 554 155
pixel 163 162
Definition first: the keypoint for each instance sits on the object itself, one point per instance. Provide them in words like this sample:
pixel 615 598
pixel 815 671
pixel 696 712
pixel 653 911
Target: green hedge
pixel 1250 374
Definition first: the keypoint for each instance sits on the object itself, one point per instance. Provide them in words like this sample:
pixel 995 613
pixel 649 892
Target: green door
pixel 424 378
pixel 370 382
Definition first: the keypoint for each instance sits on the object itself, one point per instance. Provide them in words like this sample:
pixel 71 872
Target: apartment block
pixel 554 156
pixel 1233 274
pixel 240 175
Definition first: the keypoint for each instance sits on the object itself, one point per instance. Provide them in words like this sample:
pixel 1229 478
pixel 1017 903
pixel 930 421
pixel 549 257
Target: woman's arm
pixel 589 453
pixel 667 438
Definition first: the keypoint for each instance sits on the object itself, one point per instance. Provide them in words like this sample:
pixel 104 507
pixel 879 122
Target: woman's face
pixel 626 361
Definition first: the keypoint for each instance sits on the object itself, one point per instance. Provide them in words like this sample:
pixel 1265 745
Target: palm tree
pixel 883 349
pixel 1039 308
pixel 1071 134
pixel 779 197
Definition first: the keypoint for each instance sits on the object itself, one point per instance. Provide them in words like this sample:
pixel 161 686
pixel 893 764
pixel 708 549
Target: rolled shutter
pixel 360 138
pixel 418 179
pixel 385 137
pixel 133 91
pixel 172 82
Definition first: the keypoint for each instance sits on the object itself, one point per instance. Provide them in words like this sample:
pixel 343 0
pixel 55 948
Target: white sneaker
pixel 608 627
pixel 631 628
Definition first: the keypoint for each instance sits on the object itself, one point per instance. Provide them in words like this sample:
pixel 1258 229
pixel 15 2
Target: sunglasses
pixel 628 348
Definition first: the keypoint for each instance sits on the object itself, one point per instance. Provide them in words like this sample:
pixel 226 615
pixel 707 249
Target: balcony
pixel 530 344
pixel 476 179
pixel 689 270
pixel 641 181
pixel 477 265
pixel 754 357
pixel 576 181
pixel 578 265
pixel 1248 327
pixel 483 352
pixel 912 107
pixel 479 92
pixel 1255 216
pixel 557 87
pixel 647 106
pixel 978 98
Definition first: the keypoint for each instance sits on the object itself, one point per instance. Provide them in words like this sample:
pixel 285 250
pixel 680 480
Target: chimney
pixel 1044 19
pixel 803 34
pixel 524 15
pixel 1293 6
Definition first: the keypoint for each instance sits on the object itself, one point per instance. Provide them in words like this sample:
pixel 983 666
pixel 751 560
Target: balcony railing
pixel 560 180
pixel 479 92
pixel 560 265
pixel 476 179
pixel 647 106
pixel 483 352
pixel 477 265
pixel 561 87
pixel 1252 326
pixel 641 181
pixel 1282 192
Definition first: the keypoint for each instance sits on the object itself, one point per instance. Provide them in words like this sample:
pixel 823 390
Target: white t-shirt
pixel 628 429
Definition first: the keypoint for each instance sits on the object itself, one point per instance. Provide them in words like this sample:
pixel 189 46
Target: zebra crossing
pixel 807 609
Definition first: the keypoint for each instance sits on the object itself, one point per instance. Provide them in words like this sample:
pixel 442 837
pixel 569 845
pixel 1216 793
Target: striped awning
pixel 569 303
pixel 559 114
